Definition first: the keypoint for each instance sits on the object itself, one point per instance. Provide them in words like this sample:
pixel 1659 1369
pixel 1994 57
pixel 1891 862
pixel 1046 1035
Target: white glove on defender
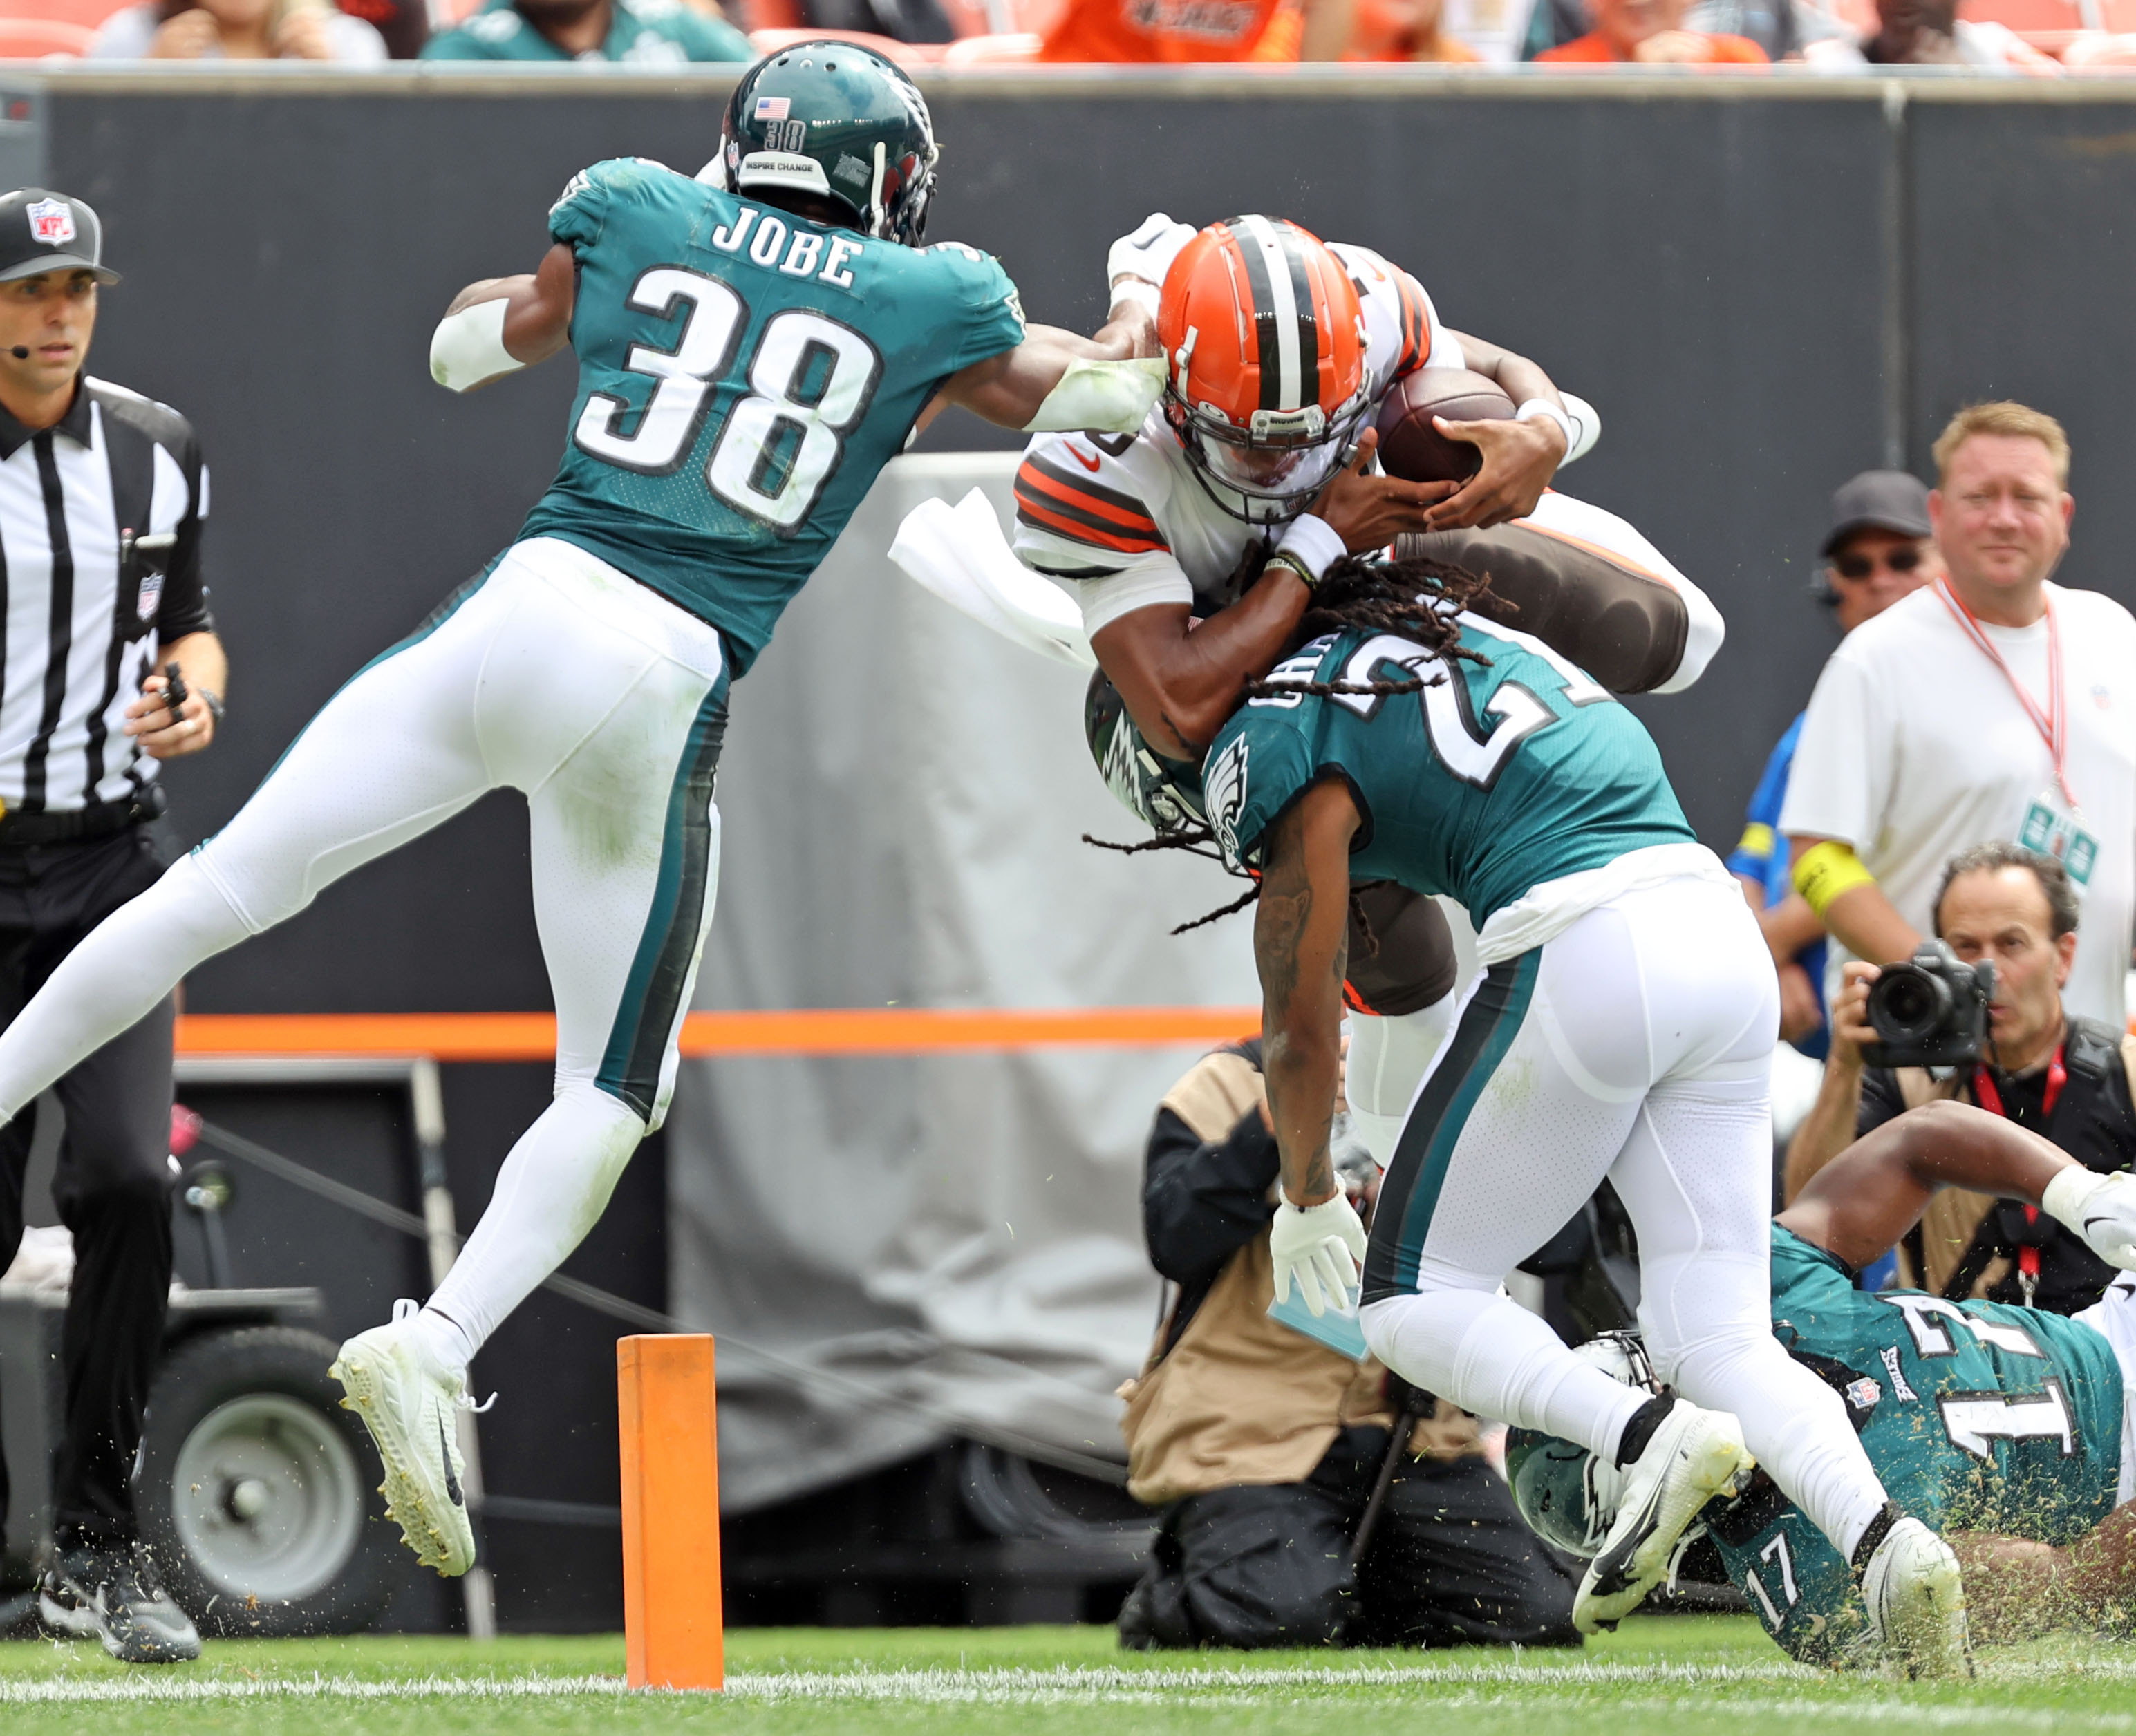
pixel 1147 253
pixel 2100 1208
pixel 1323 1247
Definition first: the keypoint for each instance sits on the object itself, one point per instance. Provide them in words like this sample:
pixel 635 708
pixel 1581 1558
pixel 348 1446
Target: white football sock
pixel 550 1192
pixel 1489 1355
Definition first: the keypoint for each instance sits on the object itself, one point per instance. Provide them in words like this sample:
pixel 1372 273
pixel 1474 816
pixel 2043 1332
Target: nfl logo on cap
pixel 52 221
pixel 772 107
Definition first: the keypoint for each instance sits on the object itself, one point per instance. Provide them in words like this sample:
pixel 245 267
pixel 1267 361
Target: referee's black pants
pixel 113 1185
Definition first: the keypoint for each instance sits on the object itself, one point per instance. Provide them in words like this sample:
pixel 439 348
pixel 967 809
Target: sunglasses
pixel 1861 566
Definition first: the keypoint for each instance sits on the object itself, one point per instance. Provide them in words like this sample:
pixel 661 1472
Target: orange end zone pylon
pixel 673 1628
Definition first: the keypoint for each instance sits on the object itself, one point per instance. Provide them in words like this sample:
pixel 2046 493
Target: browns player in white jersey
pixel 1192 545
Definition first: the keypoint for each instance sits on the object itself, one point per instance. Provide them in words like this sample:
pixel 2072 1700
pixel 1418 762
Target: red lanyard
pixel 1989 1098
pixel 2053 723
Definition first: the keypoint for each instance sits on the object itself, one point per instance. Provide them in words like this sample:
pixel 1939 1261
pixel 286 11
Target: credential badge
pixel 52 221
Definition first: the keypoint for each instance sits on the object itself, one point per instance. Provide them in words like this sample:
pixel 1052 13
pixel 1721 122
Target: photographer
pixel 1264 1445
pixel 2063 1076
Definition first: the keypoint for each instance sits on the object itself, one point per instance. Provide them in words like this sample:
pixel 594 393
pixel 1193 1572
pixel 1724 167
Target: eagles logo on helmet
pixel 1264 337
pixel 1567 1495
pixel 1162 794
pixel 838 121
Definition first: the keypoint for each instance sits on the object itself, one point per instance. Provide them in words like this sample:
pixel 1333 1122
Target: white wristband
pixel 1145 296
pixel 1539 409
pixel 1313 543
pixel 467 347
pixel 1587 427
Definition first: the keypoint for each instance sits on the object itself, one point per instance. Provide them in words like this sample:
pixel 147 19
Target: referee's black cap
pixel 48 231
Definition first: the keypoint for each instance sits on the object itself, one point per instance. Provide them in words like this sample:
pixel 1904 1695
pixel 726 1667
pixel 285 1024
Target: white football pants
pixel 556 675
pixel 1635 1046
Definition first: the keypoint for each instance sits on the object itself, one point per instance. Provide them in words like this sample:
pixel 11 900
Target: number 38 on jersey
pixel 807 383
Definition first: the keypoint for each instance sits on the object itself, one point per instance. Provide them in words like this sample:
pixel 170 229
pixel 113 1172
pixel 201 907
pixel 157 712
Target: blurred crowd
pixel 2034 38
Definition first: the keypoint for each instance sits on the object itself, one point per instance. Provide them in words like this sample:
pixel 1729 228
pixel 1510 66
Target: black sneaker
pixel 114 1595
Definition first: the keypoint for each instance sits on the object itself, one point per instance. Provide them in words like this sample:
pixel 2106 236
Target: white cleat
pixel 412 1408
pixel 1693 1456
pixel 1916 1602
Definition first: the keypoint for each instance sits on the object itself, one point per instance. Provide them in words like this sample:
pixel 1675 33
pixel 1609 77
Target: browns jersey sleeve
pixel 1402 329
pixel 1087 514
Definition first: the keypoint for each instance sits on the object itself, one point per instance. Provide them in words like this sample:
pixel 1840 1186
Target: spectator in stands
pixel 1878 550
pixel 1407 29
pixel 903 21
pixel 1175 31
pixel 1989 705
pixel 2064 1077
pixel 655 32
pixel 1263 1444
pixel 1651 32
pixel 236 29
pixel 1930 33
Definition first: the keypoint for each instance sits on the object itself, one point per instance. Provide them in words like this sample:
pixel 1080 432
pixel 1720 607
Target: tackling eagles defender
pixel 754 345
pixel 1192 547
pixel 2013 1428
pixel 1622 1029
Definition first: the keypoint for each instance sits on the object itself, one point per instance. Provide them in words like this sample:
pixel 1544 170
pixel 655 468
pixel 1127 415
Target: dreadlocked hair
pixel 1415 598
pixel 1200 841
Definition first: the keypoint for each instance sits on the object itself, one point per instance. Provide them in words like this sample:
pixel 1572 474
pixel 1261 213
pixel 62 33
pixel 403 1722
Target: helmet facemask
pixel 1272 471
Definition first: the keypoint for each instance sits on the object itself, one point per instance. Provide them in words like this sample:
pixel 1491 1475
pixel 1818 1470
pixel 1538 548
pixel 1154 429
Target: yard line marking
pixel 1471 1686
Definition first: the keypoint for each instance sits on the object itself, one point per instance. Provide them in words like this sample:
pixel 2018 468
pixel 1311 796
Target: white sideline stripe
pixel 1872 1702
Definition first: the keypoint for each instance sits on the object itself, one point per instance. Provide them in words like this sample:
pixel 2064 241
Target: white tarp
pixel 952 1241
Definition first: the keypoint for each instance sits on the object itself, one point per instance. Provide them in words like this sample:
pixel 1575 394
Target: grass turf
pixel 1687 1672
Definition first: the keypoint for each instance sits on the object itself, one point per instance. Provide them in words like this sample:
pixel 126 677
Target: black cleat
pixel 114 1595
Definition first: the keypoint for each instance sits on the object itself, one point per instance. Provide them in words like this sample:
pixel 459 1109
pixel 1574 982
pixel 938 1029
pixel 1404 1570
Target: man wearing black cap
pixel 102 497
pixel 1879 550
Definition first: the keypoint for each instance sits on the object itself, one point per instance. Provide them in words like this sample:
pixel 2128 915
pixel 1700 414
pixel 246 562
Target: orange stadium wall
pixel 1764 286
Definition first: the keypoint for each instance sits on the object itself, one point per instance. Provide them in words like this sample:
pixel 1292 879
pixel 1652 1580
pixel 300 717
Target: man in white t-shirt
pixel 1993 705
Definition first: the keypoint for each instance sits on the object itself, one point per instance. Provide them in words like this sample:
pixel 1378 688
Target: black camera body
pixel 1931 1011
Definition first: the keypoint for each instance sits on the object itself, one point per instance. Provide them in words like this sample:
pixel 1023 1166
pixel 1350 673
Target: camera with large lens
pixel 1931 1011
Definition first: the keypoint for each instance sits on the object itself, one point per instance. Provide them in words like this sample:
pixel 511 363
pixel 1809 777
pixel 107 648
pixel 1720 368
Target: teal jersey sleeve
pixel 993 311
pixel 576 219
pixel 1260 764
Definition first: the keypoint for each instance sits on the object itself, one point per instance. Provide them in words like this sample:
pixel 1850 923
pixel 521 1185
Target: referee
pixel 102 495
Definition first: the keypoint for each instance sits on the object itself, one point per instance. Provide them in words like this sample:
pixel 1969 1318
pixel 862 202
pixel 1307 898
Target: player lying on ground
pixel 2011 1428
pixel 1193 547
pixel 754 345
pixel 1622 1028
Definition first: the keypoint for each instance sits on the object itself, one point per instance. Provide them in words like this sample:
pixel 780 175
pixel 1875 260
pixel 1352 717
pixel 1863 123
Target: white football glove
pixel 1147 253
pixel 1323 1247
pixel 2100 1208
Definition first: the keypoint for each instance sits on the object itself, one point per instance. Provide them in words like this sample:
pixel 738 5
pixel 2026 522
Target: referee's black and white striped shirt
pixel 100 520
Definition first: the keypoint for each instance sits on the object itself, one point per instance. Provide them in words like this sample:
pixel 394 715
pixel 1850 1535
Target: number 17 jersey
pixel 744 375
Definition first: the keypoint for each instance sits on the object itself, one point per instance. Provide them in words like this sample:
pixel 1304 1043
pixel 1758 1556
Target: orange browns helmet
pixel 1265 338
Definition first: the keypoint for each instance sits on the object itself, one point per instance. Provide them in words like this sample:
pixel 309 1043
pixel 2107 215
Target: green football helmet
pixel 837 120
pixel 1164 794
pixel 1567 1495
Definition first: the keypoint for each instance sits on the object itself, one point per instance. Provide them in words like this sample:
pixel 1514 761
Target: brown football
pixel 1411 448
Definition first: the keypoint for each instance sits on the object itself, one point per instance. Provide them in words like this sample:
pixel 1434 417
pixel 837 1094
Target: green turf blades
pixel 1657 1674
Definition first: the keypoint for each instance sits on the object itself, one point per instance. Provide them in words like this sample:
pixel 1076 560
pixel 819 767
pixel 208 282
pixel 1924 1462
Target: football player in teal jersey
pixel 753 344
pixel 2010 1428
pixel 1622 1029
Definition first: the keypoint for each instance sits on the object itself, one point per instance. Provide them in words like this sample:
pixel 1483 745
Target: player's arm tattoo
pixel 1301 937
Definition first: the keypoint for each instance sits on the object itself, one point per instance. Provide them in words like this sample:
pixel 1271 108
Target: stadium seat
pixel 40 39
pixel 900 54
pixel 994 50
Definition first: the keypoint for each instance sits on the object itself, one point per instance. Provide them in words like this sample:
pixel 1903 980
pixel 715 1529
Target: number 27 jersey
pixel 744 375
